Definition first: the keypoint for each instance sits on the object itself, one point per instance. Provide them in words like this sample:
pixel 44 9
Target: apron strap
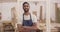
pixel 23 16
pixel 30 17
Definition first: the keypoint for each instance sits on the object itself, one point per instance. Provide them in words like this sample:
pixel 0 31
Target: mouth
pixel 26 10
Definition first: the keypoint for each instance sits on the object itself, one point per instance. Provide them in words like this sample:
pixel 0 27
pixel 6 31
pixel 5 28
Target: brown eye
pixel 27 6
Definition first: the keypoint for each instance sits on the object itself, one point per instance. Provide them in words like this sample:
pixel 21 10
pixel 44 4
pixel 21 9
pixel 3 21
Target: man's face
pixel 26 7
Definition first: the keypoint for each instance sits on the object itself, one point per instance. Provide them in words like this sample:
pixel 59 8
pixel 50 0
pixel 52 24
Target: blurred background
pixel 11 9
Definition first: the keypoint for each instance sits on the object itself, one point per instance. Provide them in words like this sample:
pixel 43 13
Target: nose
pixel 26 7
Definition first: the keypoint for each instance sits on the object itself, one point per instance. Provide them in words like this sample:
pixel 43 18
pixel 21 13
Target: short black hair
pixel 25 3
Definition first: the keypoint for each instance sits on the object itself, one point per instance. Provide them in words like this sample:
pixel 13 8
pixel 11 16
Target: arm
pixel 34 25
pixel 34 22
pixel 19 26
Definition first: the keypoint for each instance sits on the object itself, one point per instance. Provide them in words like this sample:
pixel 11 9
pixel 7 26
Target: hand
pixel 29 27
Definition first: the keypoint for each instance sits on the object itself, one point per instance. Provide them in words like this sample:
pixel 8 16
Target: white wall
pixel 6 9
pixel 0 7
pixel 52 13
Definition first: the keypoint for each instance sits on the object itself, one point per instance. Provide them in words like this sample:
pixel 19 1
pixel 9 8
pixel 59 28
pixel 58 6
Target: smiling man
pixel 27 19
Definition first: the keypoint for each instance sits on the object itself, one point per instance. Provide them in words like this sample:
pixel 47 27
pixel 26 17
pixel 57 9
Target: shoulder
pixel 33 15
pixel 21 16
pixel 34 18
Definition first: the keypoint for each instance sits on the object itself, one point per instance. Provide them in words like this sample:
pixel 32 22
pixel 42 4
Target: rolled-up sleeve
pixel 34 19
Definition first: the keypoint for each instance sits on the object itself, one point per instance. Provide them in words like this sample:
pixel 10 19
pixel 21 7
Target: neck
pixel 26 13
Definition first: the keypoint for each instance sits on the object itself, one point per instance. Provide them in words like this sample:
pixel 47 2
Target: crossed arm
pixel 34 26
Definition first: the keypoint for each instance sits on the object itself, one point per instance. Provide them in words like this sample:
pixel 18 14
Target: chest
pixel 26 17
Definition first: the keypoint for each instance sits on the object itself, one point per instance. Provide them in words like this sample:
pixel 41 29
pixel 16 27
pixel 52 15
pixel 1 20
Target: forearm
pixel 31 27
pixel 34 25
pixel 19 26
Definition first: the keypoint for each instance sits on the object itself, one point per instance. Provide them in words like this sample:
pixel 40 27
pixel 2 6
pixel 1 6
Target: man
pixel 27 20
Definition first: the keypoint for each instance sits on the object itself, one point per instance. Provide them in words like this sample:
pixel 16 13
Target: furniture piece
pixel 41 26
pixel 8 27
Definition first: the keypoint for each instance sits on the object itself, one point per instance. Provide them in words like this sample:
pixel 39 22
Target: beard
pixel 26 10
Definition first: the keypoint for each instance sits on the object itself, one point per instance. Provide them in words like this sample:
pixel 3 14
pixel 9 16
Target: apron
pixel 27 22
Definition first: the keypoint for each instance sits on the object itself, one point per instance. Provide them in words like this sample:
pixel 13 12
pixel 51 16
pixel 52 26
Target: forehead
pixel 25 4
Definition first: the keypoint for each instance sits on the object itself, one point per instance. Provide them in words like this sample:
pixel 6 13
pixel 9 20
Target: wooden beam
pixel 56 12
pixel 0 16
pixel 40 12
pixel 13 14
